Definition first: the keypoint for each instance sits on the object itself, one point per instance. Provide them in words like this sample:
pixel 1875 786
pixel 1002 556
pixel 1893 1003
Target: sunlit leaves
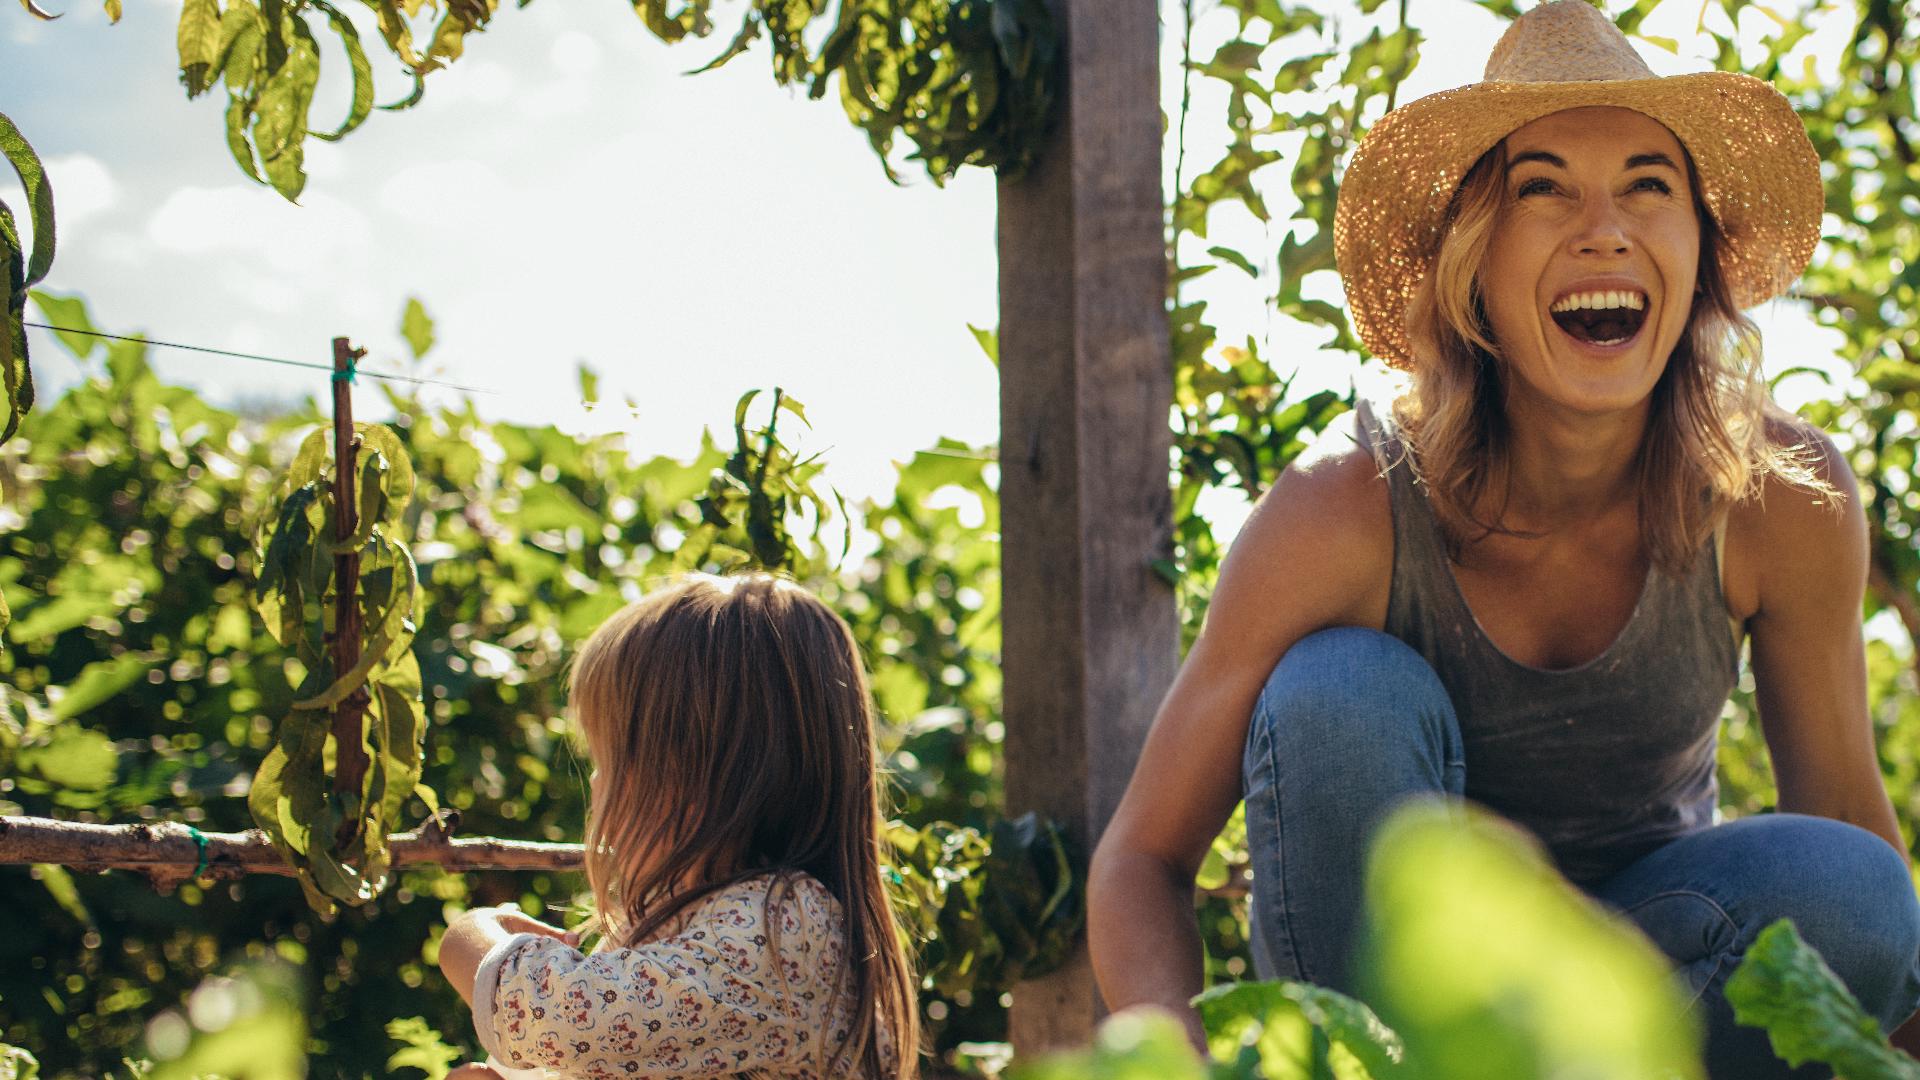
pixel 987 911
pixel 338 840
pixel 19 271
pixel 1784 986
pixel 199 43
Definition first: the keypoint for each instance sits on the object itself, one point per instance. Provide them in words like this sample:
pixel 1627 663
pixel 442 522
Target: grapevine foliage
pixel 967 82
pixel 340 844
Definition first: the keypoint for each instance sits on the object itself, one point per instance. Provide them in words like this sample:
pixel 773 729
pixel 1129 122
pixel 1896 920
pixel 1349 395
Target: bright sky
pixel 563 194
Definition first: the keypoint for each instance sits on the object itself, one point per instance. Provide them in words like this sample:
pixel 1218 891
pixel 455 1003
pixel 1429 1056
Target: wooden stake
pixel 350 748
pixel 1091 635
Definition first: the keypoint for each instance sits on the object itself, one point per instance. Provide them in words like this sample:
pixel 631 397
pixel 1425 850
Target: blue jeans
pixel 1353 721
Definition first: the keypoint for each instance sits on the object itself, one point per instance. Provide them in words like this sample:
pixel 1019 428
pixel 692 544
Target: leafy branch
pixel 337 835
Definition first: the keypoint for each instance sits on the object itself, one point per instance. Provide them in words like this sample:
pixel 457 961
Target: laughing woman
pixel 1528 582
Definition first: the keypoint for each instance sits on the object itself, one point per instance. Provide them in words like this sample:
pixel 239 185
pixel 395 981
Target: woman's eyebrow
pixel 1638 160
pixel 1554 160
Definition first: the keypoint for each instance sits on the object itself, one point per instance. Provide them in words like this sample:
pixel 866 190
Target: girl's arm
pixel 712 999
pixel 1809 656
pixel 1317 553
pixel 475 933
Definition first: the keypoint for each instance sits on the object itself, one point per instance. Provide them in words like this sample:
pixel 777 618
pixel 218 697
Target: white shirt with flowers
pixel 706 997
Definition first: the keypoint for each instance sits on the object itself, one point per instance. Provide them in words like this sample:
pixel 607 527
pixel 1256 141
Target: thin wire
pixel 416 380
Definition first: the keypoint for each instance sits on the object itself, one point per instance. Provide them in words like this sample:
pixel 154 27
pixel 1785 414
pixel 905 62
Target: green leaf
pixel 416 327
pixel 59 884
pixel 98 682
pixel 362 102
pixel 18 1063
pixel 989 341
pixel 1236 258
pixel 33 179
pixel 199 39
pixel 1784 986
pixel 1484 960
pixel 68 311
pixel 1139 1045
pixel 1271 1016
pixel 37 12
pixel 423 1048
pixel 73 757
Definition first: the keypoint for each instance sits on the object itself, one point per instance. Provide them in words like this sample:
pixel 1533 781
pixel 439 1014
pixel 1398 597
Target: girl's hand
pixel 471 935
pixel 473 1070
pixel 515 921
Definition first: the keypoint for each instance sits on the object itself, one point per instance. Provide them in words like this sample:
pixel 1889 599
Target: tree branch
pixel 167 853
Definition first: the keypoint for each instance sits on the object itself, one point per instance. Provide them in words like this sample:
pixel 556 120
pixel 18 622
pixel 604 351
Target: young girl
pixel 733 849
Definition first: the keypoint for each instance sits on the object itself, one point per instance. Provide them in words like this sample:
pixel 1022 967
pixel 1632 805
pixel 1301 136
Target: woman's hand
pixel 473 934
pixel 473 1070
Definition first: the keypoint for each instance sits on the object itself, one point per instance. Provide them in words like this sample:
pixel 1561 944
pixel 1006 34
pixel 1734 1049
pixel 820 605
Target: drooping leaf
pixel 362 102
pixel 199 39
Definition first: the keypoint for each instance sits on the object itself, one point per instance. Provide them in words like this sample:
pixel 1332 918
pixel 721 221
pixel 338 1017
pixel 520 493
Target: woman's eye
pixel 1652 183
pixel 1539 185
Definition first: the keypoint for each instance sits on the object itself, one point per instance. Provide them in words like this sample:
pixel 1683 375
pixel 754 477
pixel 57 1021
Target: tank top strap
pixel 1422 581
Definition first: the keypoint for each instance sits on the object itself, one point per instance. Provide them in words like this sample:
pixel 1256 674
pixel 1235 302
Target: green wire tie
pixel 347 375
pixel 199 838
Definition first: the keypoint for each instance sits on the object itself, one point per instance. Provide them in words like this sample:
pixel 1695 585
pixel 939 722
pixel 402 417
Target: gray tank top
pixel 1603 762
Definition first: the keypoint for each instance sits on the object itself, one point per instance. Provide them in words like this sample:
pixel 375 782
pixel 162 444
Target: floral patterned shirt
pixel 707 997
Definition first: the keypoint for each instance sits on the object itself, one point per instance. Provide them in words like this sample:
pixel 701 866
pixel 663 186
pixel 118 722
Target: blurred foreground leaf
pixel 1488 963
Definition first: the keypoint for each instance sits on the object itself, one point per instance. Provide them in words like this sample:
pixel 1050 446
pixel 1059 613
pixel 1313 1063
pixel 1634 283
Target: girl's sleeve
pixel 712 1000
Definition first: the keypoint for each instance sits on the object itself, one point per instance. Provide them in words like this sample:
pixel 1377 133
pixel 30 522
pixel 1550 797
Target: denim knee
pixel 1358 697
pixel 1855 902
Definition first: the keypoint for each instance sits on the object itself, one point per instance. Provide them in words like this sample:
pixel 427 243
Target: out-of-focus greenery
pixel 1481 960
pixel 138 684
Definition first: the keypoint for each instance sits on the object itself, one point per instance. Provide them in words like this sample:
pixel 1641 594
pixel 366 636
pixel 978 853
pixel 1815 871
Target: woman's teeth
pixel 1601 317
pixel 1596 301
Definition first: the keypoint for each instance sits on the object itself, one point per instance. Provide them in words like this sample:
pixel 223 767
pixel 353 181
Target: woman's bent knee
pixel 1359 691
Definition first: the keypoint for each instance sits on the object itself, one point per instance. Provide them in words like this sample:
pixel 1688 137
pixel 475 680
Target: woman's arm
pixel 1316 553
pixel 1809 657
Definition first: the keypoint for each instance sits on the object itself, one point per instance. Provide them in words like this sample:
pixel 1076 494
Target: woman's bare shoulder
pixel 1797 533
pixel 1323 533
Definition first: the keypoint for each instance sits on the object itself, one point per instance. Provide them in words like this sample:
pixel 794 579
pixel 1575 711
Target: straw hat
pixel 1759 175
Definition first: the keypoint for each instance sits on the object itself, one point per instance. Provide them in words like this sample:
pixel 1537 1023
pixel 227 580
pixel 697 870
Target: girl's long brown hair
pixel 732 728
pixel 1713 433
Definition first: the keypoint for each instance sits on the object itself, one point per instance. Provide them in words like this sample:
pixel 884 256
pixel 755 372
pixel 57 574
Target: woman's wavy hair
pixel 731 724
pixel 1713 434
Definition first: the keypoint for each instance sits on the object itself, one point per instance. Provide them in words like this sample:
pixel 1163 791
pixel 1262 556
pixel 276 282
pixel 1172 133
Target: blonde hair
pixel 732 726
pixel 1713 433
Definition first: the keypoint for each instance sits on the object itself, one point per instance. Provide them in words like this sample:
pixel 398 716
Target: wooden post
pixel 1090 633
pixel 349 743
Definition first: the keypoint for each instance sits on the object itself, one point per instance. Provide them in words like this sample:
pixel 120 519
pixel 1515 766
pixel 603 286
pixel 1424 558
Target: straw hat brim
pixel 1759 177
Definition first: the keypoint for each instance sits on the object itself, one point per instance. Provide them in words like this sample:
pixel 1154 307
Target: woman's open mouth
pixel 1601 318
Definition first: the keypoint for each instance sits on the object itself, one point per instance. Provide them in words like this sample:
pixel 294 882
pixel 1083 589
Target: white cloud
pixel 82 189
pixel 474 80
pixel 575 53
pixel 452 192
pixel 256 220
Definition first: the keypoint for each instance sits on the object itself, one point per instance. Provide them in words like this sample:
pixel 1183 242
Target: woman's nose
pixel 1600 231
